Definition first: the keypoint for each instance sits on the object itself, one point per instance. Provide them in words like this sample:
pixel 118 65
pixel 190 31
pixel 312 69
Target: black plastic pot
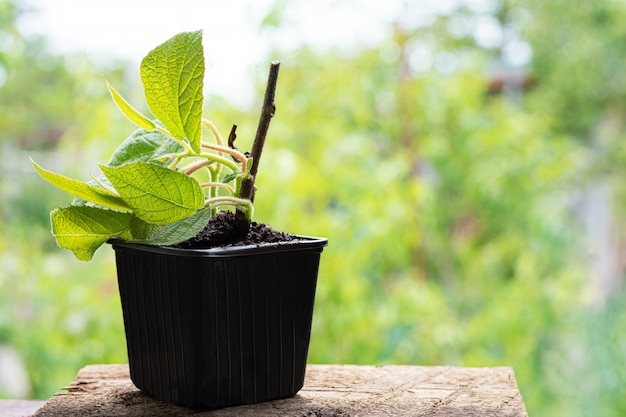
pixel 218 327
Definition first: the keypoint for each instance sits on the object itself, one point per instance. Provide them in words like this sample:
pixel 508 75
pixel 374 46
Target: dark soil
pixel 227 230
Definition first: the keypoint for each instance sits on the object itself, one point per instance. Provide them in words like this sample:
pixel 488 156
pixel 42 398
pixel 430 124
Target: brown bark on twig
pixel 267 112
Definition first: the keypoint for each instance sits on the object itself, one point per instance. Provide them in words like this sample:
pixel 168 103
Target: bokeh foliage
pixel 451 206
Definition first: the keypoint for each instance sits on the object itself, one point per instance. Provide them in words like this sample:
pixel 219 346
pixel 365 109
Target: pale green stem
pixel 176 157
pixel 237 185
pixel 176 161
pixel 221 160
pixel 241 203
pixel 241 157
pixel 216 133
pixel 214 172
pixel 218 184
pixel 196 166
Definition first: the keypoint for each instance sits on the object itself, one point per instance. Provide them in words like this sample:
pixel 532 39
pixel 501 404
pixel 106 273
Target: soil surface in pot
pixel 227 230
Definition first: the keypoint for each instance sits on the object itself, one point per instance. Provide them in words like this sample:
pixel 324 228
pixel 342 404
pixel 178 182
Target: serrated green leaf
pixel 141 145
pixel 129 111
pixel 87 192
pixel 231 176
pixel 83 229
pixel 145 146
pixel 157 195
pixel 169 234
pixel 173 76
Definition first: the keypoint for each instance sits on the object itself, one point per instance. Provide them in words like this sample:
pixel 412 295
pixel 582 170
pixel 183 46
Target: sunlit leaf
pixel 129 111
pixel 83 229
pixel 173 76
pixel 90 193
pixel 169 234
pixel 146 146
pixel 157 195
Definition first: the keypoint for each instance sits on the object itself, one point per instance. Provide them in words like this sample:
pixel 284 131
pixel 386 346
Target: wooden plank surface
pixel 329 390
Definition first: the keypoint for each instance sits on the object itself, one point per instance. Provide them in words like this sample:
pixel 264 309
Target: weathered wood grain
pixel 329 390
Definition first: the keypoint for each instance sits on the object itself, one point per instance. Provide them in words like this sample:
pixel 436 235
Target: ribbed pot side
pixel 216 328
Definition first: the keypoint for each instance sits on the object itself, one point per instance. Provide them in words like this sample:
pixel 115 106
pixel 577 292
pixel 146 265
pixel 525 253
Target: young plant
pixel 164 182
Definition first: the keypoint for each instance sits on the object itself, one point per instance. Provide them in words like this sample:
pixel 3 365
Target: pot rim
pixel 306 243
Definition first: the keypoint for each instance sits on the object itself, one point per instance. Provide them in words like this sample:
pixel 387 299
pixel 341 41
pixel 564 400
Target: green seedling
pixel 164 182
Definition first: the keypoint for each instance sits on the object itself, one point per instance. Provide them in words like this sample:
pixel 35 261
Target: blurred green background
pixel 467 170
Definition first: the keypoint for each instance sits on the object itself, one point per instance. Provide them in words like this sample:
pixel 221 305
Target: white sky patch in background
pixel 129 29
pixel 233 40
